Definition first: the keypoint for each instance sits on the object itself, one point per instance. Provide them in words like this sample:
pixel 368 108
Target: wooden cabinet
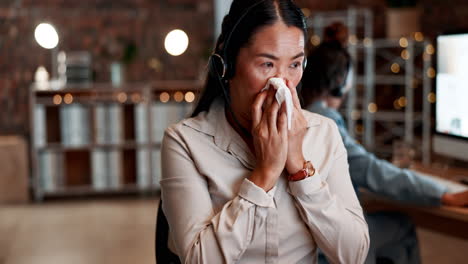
pixel 103 139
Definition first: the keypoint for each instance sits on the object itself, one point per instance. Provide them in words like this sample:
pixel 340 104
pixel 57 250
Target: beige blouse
pixel 216 215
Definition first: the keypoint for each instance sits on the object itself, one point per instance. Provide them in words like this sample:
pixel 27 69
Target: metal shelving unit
pixel 126 161
pixel 360 28
pixel 405 64
pixel 377 58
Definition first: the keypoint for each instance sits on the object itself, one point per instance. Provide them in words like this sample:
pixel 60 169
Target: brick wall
pixel 441 16
pixel 437 16
pixel 104 26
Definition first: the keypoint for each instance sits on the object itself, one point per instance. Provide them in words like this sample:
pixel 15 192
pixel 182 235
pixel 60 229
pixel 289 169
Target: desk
pixel 445 219
pixel 454 174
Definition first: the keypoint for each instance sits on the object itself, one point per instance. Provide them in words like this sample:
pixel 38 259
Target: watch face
pixel 310 168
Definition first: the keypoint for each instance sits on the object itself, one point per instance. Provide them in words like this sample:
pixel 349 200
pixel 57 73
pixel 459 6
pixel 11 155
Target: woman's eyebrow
pixel 300 54
pixel 273 57
pixel 266 55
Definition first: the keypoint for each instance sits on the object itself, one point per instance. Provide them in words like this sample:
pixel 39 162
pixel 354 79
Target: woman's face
pixel 275 51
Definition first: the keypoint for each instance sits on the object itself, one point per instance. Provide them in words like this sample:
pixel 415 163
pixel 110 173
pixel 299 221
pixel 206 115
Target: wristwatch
pixel 308 170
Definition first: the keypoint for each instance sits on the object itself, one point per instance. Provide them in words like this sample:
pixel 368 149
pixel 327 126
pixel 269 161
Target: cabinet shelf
pixel 99 139
pixel 86 190
pixel 127 145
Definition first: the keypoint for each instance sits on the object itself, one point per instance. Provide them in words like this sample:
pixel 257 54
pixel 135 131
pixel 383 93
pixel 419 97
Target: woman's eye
pixel 267 64
pixel 295 65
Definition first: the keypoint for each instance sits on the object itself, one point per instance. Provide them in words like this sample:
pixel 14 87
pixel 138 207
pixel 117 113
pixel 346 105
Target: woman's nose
pixel 281 75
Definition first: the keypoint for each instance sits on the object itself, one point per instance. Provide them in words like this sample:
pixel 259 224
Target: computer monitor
pixel 451 115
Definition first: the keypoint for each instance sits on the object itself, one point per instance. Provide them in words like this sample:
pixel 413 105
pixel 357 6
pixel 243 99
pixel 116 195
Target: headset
pixel 220 66
pixel 340 88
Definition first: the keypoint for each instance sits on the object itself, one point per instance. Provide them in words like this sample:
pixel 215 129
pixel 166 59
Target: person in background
pixel 239 186
pixel 325 82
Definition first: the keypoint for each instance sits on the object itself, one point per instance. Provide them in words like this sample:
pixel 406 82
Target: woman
pixel 237 185
pixel 326 81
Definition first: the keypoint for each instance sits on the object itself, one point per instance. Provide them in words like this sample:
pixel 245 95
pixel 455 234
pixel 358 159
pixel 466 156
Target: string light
pixel 431 72
pixel 403 42
pixel 68 98
pixel 405 54
pixel 352 40
pixel 315 40
pixel 431 97
pixel 178 97
pixel 402 101
pixel 396 104
pixel 136 97
pixel 122 97
pixel 57 99
pixel 189 97
pixel 430 49
pixel 395 68
pixel 418 36
pixel 164 97
pixel 367 42
pixel 372 107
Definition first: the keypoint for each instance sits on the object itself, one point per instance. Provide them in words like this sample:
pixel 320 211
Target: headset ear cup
pixel 227 70
pixel 217 66
pixel 337 91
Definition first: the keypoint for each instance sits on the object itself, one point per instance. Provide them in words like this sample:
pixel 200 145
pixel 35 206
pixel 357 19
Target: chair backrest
pixel 163 254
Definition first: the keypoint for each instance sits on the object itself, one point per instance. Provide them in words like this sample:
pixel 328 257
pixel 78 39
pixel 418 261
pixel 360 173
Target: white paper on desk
pixel 283 94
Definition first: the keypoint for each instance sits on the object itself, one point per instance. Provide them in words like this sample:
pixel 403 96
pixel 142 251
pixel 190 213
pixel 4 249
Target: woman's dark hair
pixel 245 18
pixel 327 67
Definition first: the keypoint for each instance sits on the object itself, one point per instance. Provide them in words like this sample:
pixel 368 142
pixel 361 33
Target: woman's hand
pixel 295 160
pixel 455 199
pixel 270 139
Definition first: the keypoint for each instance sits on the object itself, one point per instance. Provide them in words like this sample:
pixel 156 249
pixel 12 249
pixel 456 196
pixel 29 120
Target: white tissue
pixel 283 94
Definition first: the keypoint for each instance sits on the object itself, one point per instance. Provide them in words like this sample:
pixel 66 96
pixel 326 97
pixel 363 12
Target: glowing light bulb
pixel 404 42
pixel 179 97
pixel 418 36
pixel 405 54
pixel 46 36
pixel 431 97
pixel 176 42
pixel 189 97
pixel 430 49
pixel 315 40
pixel 372 108
pixel 68 98
pixel 164 97
pixel 57 99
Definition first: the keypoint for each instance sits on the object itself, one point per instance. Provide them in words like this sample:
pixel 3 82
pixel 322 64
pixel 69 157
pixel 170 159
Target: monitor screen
pixel 452 85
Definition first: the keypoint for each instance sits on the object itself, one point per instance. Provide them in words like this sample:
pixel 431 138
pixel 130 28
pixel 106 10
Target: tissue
pixel 283 94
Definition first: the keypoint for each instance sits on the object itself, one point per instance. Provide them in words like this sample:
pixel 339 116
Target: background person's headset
pixel 340 87
pixel 331 77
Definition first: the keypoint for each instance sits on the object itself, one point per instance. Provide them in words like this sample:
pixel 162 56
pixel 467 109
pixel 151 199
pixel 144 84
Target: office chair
pixel 163 254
